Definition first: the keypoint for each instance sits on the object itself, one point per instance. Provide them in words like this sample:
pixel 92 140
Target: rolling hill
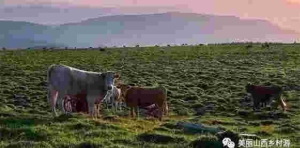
pixel 150 29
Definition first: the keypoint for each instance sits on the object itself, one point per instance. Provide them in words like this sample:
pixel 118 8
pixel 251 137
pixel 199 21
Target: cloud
pixel 282 12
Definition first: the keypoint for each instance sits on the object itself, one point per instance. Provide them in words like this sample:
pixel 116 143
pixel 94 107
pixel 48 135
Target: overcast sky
pixel 285 13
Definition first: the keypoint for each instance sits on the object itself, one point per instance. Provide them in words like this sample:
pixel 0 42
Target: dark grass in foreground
pixel 195 76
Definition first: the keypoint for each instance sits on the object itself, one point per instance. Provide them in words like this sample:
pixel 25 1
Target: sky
pixel 285 13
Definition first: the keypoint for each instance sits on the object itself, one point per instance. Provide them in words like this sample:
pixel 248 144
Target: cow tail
pixel 50 69
pixel 165 104
pixel 49 89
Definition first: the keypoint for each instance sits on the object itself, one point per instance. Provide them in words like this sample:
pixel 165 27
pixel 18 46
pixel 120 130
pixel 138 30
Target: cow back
pixel 145 96
pixel 267 90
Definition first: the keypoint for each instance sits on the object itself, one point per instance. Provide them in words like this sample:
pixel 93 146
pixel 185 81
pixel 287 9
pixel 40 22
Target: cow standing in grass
pixel 264 94
pixel 114 97
pixel 65 81
pixel 136 97
pixel 78 103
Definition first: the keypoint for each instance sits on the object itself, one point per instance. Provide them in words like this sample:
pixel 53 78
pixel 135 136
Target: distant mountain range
pixel 144 29
pixel 60 14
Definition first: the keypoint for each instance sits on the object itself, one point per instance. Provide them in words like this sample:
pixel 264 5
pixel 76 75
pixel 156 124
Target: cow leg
pixel 256 102
pixel 116 106
pixel 91 105
pixel 136 108
pixel 281 103
pixel 106 102
pixel 165 108
pixel 120 106
pixel 160 112
pixel 131 112
pixel 61 96
pixel 112 102
pixel 97 110
pixel 52 97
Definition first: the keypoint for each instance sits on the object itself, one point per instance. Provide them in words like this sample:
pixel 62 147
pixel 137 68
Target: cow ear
pixel 117 76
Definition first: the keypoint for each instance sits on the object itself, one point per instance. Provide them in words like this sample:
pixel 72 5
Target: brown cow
pixel 78 103
pixel 136 97
pixel 263 94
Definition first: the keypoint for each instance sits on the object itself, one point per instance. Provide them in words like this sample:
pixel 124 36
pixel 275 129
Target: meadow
pixel 195 76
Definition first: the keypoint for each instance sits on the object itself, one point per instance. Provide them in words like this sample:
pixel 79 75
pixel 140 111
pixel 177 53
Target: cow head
pixel 249 88
pixel 124 89
pixel 108 78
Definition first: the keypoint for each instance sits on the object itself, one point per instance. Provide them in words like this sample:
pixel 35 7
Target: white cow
pixel 64 81
pixel 114 97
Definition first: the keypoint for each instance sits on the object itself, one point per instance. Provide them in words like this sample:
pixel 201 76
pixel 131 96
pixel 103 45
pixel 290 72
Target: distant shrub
pixel 3 48
pixel 66 47
pixel 249 46
pixel 137 45
pixel 156 46
pixel 168 45
pixel 124 46
pixel 44 48
pixel 265 45
pixel 101 49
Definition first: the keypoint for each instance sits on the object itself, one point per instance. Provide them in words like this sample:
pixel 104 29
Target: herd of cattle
pixel 76 90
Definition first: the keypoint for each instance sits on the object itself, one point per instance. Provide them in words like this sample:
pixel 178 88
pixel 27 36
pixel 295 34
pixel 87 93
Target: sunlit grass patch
pixel 205 85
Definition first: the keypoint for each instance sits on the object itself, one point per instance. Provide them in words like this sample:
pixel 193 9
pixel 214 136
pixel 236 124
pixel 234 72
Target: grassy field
pixel 195 76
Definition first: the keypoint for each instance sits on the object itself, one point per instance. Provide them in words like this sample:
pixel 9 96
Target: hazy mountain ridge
pixel 149 29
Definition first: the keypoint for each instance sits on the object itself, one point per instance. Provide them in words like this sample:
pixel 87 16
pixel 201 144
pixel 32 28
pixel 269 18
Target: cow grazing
pixel 114 97
pixel 78 103
pixel 136 97
pixel 68 81
pixel 264 94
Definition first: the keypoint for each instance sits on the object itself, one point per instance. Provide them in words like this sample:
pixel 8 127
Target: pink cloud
pixel 283 12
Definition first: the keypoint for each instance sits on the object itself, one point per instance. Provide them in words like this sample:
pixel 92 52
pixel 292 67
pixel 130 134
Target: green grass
pixel 195 76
